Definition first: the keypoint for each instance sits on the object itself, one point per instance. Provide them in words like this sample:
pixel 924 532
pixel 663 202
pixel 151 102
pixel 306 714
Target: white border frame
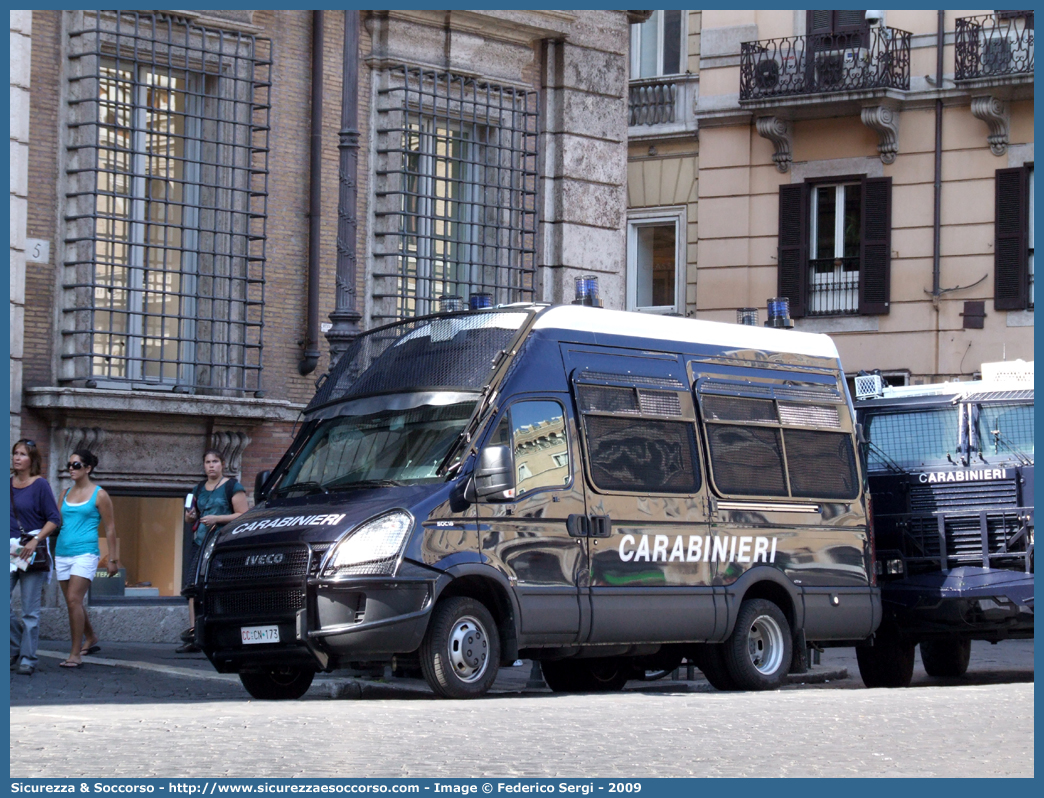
pixel 652 217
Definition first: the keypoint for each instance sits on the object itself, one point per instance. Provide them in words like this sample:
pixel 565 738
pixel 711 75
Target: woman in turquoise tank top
pixel 85 508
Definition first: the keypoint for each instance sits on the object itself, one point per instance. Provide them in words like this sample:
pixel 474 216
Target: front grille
pixel 251 603
pixel 237 565
pixel 963 496
pixel 318 552
pixel 964 536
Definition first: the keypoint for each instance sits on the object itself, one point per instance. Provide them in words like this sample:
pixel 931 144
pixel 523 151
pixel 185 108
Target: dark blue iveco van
pixel 605 492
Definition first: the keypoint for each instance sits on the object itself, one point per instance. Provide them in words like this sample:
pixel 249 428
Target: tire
pixel 598 675
pixel 947 658
pixel 711 660
pixel 889 662
pixel 281 684
pixel 758 652
pixel 460 654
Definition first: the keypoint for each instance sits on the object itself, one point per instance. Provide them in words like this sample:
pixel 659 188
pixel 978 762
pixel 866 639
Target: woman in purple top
pixel 34 516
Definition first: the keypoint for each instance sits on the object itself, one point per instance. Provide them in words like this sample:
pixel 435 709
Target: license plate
pixel 259 634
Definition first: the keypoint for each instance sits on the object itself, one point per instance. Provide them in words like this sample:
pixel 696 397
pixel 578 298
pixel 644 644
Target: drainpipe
pixel 311 344
pixel 940 41
pixel 937 221
pixel 345 318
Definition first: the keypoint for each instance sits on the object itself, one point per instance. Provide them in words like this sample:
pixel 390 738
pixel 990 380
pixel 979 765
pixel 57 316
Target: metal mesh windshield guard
pixel 450 352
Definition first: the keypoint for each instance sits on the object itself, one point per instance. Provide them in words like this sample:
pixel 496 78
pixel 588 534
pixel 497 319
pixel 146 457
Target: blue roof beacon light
pixel 587 292
pixel 779 313
pixel 747 316
pixel 479 301
pixel 450 303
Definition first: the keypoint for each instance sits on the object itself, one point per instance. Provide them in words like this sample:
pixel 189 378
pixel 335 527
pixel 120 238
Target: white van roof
pixel 675 328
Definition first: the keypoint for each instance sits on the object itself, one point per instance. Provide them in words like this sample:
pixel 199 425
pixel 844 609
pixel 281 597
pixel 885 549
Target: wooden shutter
pixel 1011 240
pixel 793 246
pixel 830 22
pixel 875 250
pixel 850 21
pixel 819 22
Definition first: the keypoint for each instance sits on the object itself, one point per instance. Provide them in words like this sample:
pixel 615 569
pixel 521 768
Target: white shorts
pixel 85 565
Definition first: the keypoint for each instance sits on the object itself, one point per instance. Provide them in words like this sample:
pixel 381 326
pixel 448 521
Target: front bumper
pixel 978 603
pixel 361 619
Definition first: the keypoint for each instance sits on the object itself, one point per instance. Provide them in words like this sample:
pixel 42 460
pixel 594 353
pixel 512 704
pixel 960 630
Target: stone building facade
pixel 803 144
pixel 166 173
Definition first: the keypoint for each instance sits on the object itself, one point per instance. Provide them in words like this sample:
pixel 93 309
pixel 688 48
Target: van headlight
pixel 204 560
pixel 373 548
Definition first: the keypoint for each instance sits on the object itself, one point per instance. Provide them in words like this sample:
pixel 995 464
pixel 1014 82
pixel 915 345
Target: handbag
pixel 41 559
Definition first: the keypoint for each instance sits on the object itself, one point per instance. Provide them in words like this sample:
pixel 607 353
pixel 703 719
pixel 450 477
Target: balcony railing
pixel 878 58
pixel 994 46
pixel 652 102
pixel 833 286
pixel 662 106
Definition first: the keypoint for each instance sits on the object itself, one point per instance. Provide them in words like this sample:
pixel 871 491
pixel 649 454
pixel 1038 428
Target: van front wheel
pixel 460 655
pixel 280 684
pixel 757 653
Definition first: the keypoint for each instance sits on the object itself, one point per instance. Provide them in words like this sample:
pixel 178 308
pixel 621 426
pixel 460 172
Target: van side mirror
pixel 260 494
pixel 495 474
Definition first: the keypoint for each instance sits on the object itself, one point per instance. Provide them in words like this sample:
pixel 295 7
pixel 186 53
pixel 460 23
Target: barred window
pixel 456 192
pixel 754 450
pixel 167 203
pixel 641 455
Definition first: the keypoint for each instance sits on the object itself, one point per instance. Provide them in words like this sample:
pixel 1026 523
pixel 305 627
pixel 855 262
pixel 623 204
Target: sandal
pixel 90 650
pixel 69 664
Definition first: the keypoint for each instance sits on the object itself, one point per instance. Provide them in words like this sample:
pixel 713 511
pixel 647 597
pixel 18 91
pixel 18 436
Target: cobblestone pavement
pixel 141 711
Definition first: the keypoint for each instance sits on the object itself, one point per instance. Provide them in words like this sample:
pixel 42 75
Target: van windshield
pixel 1005 429
pixel 385 447
pixel 911 439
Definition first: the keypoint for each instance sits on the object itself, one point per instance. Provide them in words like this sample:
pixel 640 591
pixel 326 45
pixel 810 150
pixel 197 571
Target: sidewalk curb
pixel 351 689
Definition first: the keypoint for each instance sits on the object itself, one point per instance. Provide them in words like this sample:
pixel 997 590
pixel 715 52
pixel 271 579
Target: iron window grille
pixel 456 190
pixel 166 204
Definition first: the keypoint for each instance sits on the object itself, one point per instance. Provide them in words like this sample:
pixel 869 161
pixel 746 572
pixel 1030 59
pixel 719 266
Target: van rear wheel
pixel 889 662
pixel 279 684
pixel 757 653
pixel 947 658
pixel 460 654
pixel 598 675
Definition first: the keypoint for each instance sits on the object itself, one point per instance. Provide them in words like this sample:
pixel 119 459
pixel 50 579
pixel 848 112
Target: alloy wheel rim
pixel 765 645
pixel 468 649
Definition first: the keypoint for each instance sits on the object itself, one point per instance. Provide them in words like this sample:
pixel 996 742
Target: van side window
pixel 539 444
pixel 757 448
pixel 641 455
pixel 629 452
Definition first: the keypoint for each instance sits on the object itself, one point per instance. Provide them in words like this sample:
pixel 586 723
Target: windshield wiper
pixel 998 438
pixel 305 487
pixel 344 483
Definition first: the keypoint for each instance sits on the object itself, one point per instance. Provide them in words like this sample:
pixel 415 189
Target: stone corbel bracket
pixel 73 438
pixel 883 120
pixel 778 131
pixel 231 444
pixel 995 113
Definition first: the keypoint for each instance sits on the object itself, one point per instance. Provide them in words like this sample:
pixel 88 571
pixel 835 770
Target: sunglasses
pixel 74 466
pixel 28 442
